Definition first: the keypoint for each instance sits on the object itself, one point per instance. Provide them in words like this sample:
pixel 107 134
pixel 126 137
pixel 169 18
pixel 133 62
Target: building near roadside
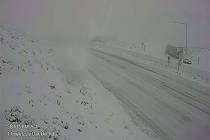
pixel 174 52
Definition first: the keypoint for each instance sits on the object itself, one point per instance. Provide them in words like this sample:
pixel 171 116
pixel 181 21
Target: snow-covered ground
pixel 164 106
pixel 100 92
pixel 195 72
pixel 37 102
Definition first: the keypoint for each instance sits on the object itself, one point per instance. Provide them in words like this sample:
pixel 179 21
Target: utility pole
pixel 186 37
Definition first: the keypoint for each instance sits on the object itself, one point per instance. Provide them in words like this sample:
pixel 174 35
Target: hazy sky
pixel 130 20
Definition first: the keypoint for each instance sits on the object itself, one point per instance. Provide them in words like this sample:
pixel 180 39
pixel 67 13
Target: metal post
pixel 186 39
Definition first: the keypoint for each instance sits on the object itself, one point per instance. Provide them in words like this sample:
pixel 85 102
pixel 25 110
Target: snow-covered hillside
pixel 38 103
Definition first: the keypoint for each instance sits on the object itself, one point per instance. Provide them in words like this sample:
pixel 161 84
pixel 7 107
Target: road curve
pixel 161 105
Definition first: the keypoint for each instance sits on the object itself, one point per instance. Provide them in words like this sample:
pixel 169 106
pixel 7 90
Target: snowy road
pixel 162 105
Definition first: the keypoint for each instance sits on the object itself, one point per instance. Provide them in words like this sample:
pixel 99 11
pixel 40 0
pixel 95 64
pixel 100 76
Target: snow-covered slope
pixel 38 103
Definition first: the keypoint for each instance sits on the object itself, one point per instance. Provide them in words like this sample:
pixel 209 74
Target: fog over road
pixel 162 105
